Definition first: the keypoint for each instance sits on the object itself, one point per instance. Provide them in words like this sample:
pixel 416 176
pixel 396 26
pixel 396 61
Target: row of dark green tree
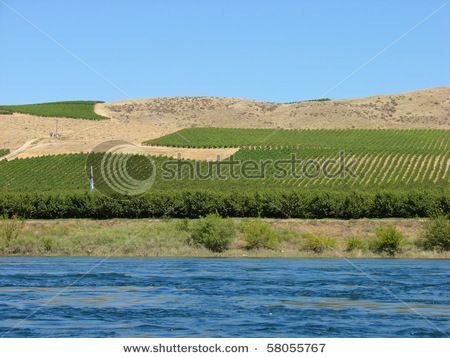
pixel 193 204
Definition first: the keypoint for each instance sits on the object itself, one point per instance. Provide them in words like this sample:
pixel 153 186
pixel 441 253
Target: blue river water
pixel 121 297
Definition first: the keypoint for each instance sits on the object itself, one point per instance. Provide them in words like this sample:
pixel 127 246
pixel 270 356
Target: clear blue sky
pixel 278 50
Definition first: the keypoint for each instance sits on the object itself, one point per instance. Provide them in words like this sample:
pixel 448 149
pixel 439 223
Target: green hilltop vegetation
pixel 325 99
pixel 68 109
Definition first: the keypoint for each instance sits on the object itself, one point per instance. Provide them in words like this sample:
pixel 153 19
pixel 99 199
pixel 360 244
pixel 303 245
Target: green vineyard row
pixel 253 169
pixel 340 139
pixel 68 109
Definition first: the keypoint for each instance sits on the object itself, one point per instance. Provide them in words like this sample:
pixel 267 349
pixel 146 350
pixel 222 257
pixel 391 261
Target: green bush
pixel 258 234
pixel 437 234
pixel 48 243
pixel 3 152
pixel 212 232
pixel 389 240
pixel 318 100
pixel 355 243
pixel 317 243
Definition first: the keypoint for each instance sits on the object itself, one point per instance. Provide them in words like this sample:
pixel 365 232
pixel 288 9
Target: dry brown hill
pixel 139 120
pixel 418 109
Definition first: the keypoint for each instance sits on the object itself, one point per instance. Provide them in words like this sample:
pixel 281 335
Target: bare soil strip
pixel 39 148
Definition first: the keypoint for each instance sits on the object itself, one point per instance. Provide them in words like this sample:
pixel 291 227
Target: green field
pixel 68 109
pixel 340 139
pixel 3 152
pixel 403 173
pixel 378 160
pixel 374 171
pixel 57 187
pixel 394 159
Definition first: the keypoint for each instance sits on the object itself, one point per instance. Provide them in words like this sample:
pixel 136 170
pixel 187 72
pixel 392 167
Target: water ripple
pixel 77 297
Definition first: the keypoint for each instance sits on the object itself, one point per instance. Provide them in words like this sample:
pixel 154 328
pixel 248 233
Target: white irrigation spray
pixel 91 180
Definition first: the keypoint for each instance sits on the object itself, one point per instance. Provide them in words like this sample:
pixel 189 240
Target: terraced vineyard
pixel 380 169
pixel 386 169
pixel 328 174
pixel 401 159
pixel 319 159
pixel 59 173
pixel 341 139
pixel 68 109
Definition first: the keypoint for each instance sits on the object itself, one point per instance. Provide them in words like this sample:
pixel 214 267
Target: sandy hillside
pixel 138 120
pixel 419 109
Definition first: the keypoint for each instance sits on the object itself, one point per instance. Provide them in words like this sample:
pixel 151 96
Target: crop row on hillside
pixel 366 169
pixel 49 173
pixel 68 109
pixel 342 139
pixel 249 170
pixel 193 204
pixel 3 152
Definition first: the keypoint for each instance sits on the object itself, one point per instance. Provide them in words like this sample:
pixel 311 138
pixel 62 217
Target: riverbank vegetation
pixel 217 237
pixel 437 234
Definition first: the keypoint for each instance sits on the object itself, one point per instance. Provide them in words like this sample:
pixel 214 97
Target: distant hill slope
pixel 428 108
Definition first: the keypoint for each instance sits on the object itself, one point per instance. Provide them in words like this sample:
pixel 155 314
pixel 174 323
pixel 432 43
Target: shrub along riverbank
pixel 194 204
pixel 217 237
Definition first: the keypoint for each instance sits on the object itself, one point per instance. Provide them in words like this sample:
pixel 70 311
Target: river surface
pixel 95 297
